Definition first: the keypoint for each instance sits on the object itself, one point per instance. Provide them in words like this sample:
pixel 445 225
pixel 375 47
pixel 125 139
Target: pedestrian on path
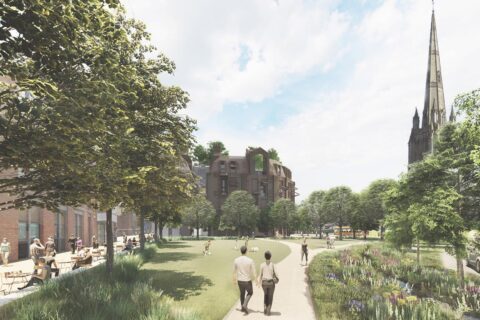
pixel 50 247
pixel 268 276
pixel 5 251
pixel 72 241
pixel 304 251
pixel 36 251
pixel 243 273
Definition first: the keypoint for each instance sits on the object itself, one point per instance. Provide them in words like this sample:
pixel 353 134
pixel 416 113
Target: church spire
pixel 416 120
pixel 452 117
pixel 434 112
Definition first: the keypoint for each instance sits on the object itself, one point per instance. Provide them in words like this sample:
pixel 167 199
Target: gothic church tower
pixel 434 114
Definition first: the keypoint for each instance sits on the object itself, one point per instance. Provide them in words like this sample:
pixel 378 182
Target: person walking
pixel 243 273
pixel 79 244
pixel 50 247
pixel 73 242
pixel 94 242
pixel 268 277
pixel 5 251
pixel 304 251
pixel 36 249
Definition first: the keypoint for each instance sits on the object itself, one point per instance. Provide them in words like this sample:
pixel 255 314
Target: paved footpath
pixel 449 262
pixel 292 298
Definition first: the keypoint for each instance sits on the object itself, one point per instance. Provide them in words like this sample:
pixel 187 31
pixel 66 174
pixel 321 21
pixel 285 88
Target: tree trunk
pixel 382 232
pixel 364 234
pixel 321 237
pixel 156 229
pixel 341 232
pixel 460 271
pixel 160 226
pixel 418 251
pixel 354 234
pixel 142 229
pixel 198 230
pixel 109 232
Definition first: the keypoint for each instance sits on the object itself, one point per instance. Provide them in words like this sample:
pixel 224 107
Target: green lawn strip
pixel 92 295
pixel 322 243
pixel 363 283
pixel 201 283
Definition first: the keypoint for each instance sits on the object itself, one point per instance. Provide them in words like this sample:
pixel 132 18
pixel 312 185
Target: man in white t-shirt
pixel 243 273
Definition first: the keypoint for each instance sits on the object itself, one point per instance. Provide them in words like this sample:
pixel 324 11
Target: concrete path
pixel 449 262
pixel 292 298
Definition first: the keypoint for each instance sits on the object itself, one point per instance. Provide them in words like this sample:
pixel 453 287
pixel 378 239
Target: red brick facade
pixel 9 226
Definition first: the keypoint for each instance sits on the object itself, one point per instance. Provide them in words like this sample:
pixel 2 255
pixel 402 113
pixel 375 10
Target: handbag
pixel 275 278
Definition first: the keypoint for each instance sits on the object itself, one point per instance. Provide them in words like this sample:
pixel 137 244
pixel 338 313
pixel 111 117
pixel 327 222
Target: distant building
pixel 267 183
pixel 434 111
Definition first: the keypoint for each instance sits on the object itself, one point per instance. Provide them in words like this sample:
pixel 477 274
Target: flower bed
pixel 374 282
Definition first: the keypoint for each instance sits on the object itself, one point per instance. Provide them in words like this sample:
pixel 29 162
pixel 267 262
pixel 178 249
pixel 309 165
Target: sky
pixel 332 85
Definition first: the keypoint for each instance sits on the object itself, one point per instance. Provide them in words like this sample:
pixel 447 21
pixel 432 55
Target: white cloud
pixel 285 39
pixel 352 135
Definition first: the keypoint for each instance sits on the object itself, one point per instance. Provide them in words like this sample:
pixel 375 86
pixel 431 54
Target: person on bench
pixel 85 261
pixel 39 278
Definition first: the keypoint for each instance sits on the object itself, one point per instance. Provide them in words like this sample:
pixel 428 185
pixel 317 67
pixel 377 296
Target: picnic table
pixel 17 277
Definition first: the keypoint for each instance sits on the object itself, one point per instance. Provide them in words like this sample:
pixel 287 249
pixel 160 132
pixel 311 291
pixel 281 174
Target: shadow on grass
pixel 177 285
pixel 173 245
pixel 163 257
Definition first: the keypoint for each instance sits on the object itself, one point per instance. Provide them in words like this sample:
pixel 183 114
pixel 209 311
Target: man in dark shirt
pixel 73 243
pixel 304 251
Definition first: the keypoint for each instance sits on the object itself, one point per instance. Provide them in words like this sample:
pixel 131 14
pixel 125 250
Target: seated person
pixel 49 261
pixel 128 246
pixel 41 277
pixel 134 242
pixel 86 260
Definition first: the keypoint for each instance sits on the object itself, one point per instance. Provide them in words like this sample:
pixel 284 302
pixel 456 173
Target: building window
pixel 60 230
pixel 223 186
pixel 233 166
pixel 79 223
pixel 222 166
pixel 263 190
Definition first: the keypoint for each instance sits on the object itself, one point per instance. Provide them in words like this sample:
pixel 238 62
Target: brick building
pixel 266 182
pixel 20 226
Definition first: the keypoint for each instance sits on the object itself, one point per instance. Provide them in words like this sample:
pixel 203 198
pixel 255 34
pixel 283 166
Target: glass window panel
pixel 34 229
pixel 22 231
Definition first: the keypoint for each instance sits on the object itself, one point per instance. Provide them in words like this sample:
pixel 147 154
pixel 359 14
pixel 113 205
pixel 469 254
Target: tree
pixel 273 154
pixel 372 210
pixel 200 155
pixel 199 213
pixel 283 213
pixel 339 205
pixel 265 223
pixel 239 213
pixel 314 206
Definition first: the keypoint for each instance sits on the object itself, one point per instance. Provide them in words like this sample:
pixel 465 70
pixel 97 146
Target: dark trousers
pixel 72 246
pixel 32 281
pixel 268 290
pixel 245 286
pixel 304 253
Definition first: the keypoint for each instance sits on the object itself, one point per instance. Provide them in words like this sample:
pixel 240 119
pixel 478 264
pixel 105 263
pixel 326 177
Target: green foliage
pixel 372 209
pixel 239 213
pixel 284 215
pixel 93 294
pixel 205 155
pixel 339 205
pixel 199 213
pixel 370 282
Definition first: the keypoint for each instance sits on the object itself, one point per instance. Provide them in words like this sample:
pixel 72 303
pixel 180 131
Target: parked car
pixel 473 253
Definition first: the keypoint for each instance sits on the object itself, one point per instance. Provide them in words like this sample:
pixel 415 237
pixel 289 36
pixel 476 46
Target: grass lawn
pixel 322 243
pixel 203 284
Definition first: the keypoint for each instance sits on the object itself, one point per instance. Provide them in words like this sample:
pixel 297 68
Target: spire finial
pixel 433 5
